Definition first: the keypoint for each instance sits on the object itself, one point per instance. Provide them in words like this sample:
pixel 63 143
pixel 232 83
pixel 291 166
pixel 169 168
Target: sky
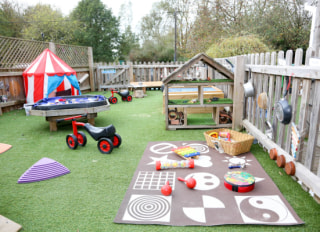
pixel 139 7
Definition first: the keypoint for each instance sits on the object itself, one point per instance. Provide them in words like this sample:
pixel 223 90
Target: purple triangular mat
pixel 44 169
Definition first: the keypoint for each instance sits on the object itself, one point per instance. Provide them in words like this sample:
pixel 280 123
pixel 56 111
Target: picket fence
pixel 268 73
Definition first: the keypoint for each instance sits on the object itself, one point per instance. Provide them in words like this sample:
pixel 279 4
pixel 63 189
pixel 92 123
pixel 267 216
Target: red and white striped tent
pixel 47 75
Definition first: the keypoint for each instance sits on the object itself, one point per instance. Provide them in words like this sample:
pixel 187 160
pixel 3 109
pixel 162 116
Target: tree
pixel 128 42
pixel 44 23
pixel 98 29
pixel 125 15
pixel 235 46
pixel 204 31
pixel 160 23
pixel 284 24
pixel 10 19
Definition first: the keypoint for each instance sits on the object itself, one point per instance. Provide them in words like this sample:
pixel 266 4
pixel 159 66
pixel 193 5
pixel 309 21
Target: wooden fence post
pixel 90 60
pixel 238 94
pixel 313 130
pixel 52 47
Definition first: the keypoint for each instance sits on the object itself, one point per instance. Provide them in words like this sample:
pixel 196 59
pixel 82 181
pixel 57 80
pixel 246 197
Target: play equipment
pixel 231 166
pixel 283 110
pixel 175 117
pixel 44 169
pixel 241 142
pixel 4 147
pixel 166 189
pixel 190 182
pixel 214 134
pixel 125 96
pixel 70 102
pixel 49 76
pixel 295 140
pixel 238 181
pixel 174 164
pixel 106 136
pixel 186 152
pixel 224 134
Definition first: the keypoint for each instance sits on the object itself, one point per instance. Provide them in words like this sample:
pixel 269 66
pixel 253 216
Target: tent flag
pixel 47 74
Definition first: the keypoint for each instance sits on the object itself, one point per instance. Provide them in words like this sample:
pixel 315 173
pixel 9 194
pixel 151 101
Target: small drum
pixel 238 181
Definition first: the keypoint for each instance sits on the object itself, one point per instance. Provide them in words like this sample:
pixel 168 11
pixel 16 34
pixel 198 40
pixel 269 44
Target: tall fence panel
pixel 17 54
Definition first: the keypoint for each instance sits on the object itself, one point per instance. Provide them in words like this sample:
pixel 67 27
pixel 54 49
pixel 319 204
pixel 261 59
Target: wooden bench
pixel 52 115
pixel 145 85
pixel 10 103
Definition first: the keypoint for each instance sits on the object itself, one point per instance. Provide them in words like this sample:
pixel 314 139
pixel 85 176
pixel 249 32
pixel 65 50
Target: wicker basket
pixel 240 142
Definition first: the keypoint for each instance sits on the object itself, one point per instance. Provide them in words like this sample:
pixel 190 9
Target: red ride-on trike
pixel 125 96
pixel 106 136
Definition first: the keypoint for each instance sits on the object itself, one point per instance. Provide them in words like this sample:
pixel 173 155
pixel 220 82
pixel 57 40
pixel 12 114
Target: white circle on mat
pixel 162 148
pixel 205 180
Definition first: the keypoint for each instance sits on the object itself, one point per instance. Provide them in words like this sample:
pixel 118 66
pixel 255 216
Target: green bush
pixel 234 46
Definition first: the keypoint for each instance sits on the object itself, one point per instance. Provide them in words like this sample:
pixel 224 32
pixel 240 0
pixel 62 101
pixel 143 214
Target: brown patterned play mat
pixel 210 202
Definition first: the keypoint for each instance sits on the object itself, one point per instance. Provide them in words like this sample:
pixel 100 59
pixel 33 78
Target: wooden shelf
pixel 201 104
pixel 173 127
pixel 175 84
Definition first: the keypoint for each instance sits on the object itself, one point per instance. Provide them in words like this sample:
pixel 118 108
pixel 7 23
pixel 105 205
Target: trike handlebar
pixel 71 118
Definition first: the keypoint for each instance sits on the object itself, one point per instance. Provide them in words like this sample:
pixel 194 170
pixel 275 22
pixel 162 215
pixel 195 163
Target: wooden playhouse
pixel 182 113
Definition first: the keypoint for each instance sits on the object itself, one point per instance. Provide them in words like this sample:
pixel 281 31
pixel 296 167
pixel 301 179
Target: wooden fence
pixel 268 75
pixel 120 75
pixel 15 56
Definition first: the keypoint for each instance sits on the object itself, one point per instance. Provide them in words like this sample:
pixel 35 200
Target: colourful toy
pixel 238 181
pixel 295 138
pixel 213 134
pixel 191 182
pixel 106 136
pixel 174 164
pixel 224 135
pixel 125 96
pixel 44 169
pixel 231 166
pixel 186 152
pixel 166 189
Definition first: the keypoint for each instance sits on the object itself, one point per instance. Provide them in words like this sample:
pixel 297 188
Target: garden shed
pixel 222 109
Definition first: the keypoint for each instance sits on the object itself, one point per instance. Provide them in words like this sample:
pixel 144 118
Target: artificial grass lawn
pixel 88 198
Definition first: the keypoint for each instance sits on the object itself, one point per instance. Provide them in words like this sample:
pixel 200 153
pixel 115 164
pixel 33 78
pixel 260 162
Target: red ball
pixel 166 189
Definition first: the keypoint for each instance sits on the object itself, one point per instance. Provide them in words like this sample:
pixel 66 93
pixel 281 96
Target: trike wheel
pixel 72 141
pixel 114 100
pixel 110 100
pixel 105 145
pixel 124 98
pixel 117 140
pixel 82 138
pixel 129 98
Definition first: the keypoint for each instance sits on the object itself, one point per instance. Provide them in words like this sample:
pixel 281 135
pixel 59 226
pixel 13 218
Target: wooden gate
pixel 113 76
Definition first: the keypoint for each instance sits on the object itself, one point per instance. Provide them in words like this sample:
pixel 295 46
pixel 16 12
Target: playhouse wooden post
pixel 238 93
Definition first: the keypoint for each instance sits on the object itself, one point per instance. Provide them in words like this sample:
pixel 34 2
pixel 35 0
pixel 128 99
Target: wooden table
pixel 146 84
pixel 53 115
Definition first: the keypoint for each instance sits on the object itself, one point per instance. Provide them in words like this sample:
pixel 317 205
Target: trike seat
pixel 124 93
pixel 99 132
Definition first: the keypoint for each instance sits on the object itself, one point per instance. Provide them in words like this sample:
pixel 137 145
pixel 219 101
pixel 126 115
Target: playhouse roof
pixel 205 59
pixel 48 63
